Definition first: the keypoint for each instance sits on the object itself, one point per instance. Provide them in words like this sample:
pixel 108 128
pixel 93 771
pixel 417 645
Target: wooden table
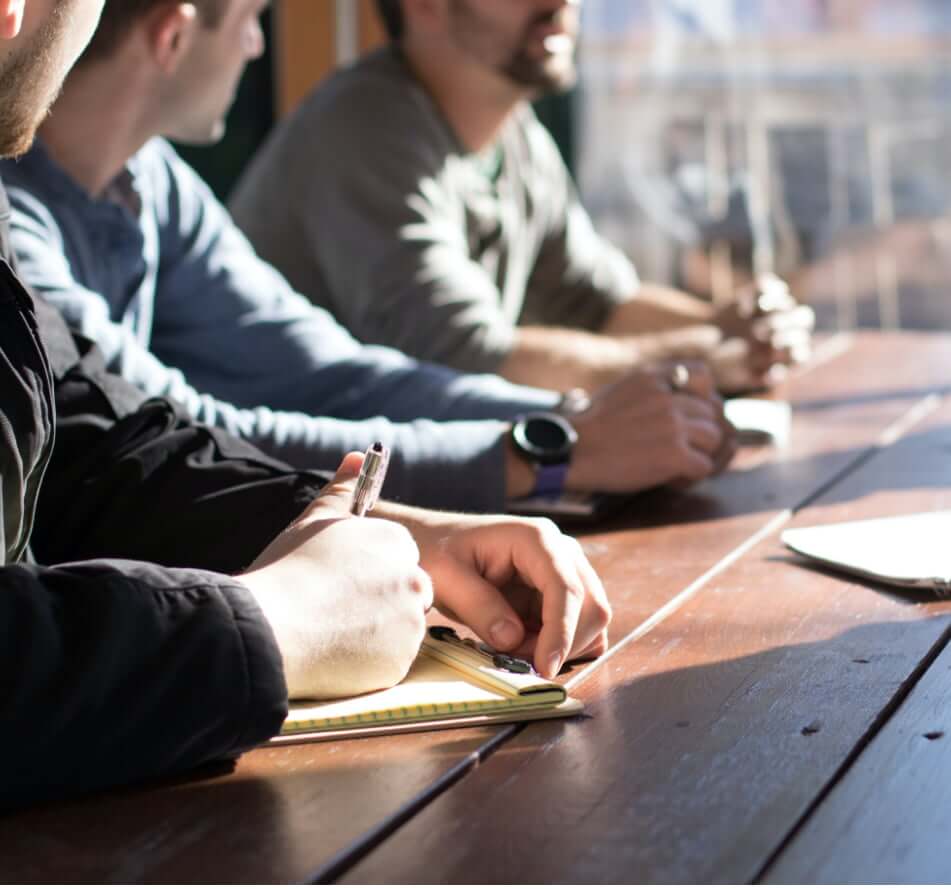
pixel 756 720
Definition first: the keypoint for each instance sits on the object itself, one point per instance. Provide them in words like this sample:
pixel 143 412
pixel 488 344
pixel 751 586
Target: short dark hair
pixel 118 17
pixel 391 11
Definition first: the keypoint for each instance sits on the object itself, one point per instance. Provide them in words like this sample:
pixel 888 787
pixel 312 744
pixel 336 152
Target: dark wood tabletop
pixel 755 720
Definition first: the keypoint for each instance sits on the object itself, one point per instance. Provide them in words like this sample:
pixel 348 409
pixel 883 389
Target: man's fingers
pixel 698 380
pixel 786 339
pixel 480 606
pixel 597 647
pixel 562 600
pixel 695 408
pixel 704 435
pixel 336 496
pixel 554 606
pixel 785 347
pixel 694 465
pixel 591 637
pixel 727 449
pixel 703 421
pixel 575 608
pixel 799 322
pixel 545 560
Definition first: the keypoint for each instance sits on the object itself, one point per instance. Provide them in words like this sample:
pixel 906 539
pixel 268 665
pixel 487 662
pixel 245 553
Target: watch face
pixel 545 438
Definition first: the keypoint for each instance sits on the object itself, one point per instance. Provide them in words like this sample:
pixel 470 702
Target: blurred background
pixel 717 139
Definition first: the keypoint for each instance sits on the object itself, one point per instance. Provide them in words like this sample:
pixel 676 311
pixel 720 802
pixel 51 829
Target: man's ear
pixel 171 29
pixel 11 18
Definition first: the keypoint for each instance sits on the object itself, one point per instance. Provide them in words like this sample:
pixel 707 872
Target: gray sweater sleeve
pixel 579 278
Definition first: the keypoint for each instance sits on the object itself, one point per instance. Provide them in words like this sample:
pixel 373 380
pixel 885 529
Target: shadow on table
pixel 647 774
pixel 275 818
pixel 691 774
pixel 779 484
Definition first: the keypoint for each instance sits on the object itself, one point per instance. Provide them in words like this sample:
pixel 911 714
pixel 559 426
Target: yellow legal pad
pixel 452 682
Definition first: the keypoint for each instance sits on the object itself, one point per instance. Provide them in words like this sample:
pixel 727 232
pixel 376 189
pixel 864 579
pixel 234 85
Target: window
pixel 716 139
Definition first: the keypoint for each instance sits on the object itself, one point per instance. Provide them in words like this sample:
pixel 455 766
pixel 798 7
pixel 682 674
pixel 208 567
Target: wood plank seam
pixel 901 694
pixel 349 857
pixel 904 424
pixel 684 596
pixel 367 842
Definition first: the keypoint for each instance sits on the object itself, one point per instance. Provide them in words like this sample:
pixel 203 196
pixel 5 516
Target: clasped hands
pixel 763 331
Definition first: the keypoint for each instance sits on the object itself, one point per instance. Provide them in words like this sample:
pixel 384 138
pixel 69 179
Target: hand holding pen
pixel 370 481
pixel 346 600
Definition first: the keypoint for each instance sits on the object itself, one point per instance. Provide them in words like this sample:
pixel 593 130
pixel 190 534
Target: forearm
pixel 442 465
pixel 664 324
pixel 382 382
pixel 562 359
pixel 657 309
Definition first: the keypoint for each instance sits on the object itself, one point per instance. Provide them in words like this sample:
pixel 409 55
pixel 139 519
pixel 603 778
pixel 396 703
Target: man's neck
pixel 476 102
pixel 96 125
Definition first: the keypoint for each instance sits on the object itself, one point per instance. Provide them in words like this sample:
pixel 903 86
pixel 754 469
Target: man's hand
pixel 643 431
pixel 345 596
pixel 763 328
pixel 519 584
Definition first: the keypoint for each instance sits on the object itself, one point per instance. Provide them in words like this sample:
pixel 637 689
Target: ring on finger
pixel 679 377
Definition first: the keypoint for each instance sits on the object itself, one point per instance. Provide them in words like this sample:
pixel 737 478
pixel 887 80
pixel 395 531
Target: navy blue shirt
pixel 159 276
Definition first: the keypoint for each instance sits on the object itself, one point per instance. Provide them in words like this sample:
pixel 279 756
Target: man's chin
pixel 10 148
pixel 543 74
pixel 199 136
pixel 552 74
pixel 16 136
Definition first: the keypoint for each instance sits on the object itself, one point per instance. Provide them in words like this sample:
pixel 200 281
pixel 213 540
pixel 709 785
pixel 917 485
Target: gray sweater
pixel 365 199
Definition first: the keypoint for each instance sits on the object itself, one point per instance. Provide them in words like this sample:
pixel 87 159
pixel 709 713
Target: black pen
pixel 370 481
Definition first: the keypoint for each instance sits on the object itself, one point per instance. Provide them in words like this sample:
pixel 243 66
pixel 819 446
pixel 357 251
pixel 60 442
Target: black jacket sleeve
pixel 138 479
pixel 114 672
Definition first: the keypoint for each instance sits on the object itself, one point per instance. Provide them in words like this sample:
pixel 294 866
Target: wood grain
pixel 713 734
pixel 278 816
pixel 607 795
pixel 888 820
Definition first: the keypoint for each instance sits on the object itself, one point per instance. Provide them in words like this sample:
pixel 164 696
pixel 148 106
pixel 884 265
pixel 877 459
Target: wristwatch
pixel 546 440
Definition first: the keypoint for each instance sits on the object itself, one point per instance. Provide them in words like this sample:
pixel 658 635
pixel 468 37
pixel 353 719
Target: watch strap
pixel 550 480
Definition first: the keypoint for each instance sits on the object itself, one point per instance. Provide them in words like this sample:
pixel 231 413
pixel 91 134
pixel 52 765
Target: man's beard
pixel 28 86
pixel 554 72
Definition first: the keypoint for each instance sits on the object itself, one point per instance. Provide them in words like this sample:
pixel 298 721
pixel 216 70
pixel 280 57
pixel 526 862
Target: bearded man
pixel 417 197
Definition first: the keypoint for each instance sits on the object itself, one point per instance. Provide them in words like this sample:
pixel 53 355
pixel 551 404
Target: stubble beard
pixel 556 74
pixel 29 84
pixel 553 73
